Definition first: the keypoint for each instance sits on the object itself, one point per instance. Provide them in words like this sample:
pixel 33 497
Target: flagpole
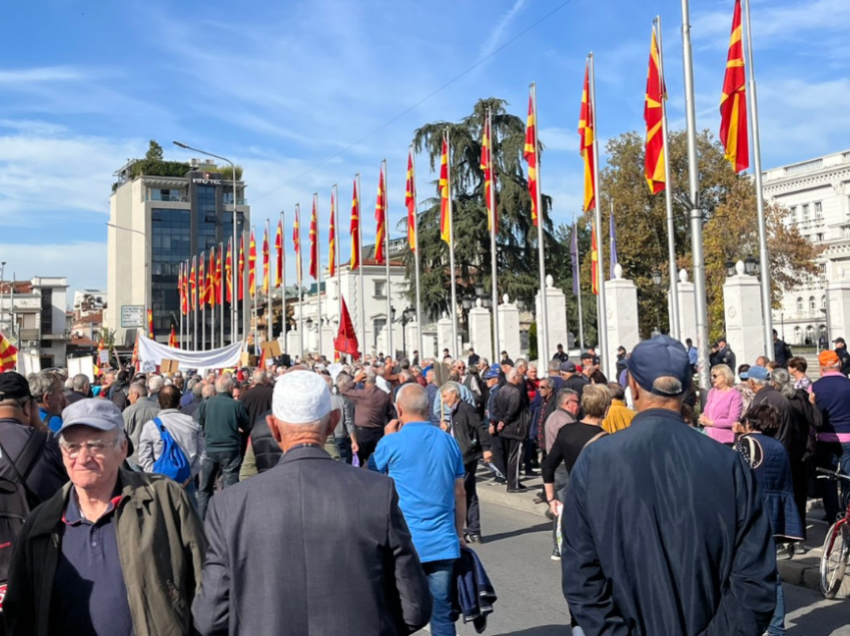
pixel 360 265
pixel 337 268
pixel 543 318
pixel 181 304
pixel 601 311
pixel 419 346
pixel 455 352
pixel 385 203
pixel 764 256
pixel 203 307
pixel 283 280
pixel 697 246
pixel 253 297
pixel 300 286
pixel 578 287
pixel 195 341
pixel 268 283
pixel 494 274
pixel 222 296
pixel 318 273
pixel 675 321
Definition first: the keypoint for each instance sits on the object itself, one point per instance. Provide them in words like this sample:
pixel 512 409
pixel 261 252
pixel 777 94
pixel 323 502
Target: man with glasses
pixel 113 552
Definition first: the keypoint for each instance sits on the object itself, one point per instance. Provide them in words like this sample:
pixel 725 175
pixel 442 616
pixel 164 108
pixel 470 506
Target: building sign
pixel 207 180
pixel 132 316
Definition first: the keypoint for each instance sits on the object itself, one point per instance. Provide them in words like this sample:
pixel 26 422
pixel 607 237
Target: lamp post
pixel 407 316
pixel 140 233
pixel 234 306
pixel 656 280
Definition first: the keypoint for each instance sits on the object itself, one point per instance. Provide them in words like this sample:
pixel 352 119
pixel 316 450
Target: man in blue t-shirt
pixel 48 390
pixel 427 467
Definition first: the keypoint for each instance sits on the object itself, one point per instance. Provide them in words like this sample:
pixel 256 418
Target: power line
pixel 417 104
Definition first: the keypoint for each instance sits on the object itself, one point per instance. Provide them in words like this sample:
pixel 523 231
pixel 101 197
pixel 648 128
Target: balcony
pixel 167 199
pixel 29 334
pixel 228 200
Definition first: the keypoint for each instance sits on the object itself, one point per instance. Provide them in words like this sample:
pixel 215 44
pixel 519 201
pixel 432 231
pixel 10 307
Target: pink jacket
pixel 724 408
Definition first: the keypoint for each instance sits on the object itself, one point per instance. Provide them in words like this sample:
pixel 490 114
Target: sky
pixel 304 94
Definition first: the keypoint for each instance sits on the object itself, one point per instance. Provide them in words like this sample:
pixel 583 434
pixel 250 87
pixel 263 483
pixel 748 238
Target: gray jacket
pixel 135 416
pixel 345 428
pixel 186 432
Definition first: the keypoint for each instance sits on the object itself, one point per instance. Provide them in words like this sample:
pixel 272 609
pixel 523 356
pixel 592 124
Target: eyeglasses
pixel 714 377
pixel 96 448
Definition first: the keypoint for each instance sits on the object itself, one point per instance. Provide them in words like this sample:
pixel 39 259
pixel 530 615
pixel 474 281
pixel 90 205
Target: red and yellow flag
pixel 594 260
pixel 445 211
pixel 278 246
pixel 193 296
pixel 410 203
pixel 219 288
pixel 266 262
pixel 211 279
pixel 355 229
pixel 150 327
pixel 381 218
pixel 180 289
pixel 586 135
pixel 332 240
pixel 252 266
pixel 489 176
pixel 296 242
pixel 8 355
pixel 314 240
pixel 228 271
pixel 529 153
pixel 241 264
pixel 203 283
pixel 172 339
pixel 653 115
pixel 733 103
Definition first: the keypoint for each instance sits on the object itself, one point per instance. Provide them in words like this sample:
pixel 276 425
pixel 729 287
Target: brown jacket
pixel 161 546
pixel 372 407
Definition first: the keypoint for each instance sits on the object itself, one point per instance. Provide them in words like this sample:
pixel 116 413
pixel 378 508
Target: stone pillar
pixel 412 344
pixel 838 302
pixel 480 330
pixel 687 308
pixel 622 310
pixel 744 321
pixel 556 303
pixel 328 335
pixel 444 337
pixel 508 329
pixel 292 343
pixel 429 344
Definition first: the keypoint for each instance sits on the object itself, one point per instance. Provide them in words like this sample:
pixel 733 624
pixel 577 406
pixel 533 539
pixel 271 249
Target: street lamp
pixel 656 277
pixel 234 307
pixel 656 280
pixel 140 233
pixel 751 266
pixel 730 268
pixel 407 316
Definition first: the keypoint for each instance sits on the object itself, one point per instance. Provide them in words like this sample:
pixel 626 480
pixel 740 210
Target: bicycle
pixel 836 546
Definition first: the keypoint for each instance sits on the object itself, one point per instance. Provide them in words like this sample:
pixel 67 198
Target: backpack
pixel 16 500
pixel 173 461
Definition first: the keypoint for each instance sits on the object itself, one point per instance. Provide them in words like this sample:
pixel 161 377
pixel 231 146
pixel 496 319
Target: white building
pixel 32 315
pixel 818 194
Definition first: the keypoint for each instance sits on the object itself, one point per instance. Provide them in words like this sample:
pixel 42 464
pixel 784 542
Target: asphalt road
pixel 516 552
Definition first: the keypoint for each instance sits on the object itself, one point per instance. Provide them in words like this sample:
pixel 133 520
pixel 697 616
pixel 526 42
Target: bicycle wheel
pixel 833 562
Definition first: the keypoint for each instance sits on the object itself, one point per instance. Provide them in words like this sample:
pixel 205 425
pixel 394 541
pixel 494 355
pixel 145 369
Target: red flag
pixel 332 240
pixel 8 355
pixel 150 326
pixel 586 134
pixel 355 229
pixel 381 218
pixel 211 279
pixel 219 288
pixel 266 264
pixel 489 177
pixel 228 271
pixel 445 212
pixel 346 338
pixel 193 297
pixel 733 103
pixel 529 153
pixel 172 339
pixel 262 362
pixel 410 202
pixel 314 241
pixel 202 282
pixel 252 266
pixel 241 265
pixel 653 115
pixel 594 260
pixel 180 286
pixel 278 245
pixel 296 242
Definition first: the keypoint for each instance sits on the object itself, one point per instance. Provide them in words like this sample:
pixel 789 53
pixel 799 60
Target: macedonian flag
pixel 381 220
pixel 332 239
pixel 586 135
pixel 410 203
pixel 278 246
pixel 314 240
pixel 653 116
pixel 733 103
pixel 355 229
pixel 445 185
pixel 594 260
pixel 252 265
pixel 193 296
pixel 228 271
pixel 530 155
pixel 8 355
pixel 489 177
pixel 203 285
pixel 296 241
pixel 266 263
pixel 241 265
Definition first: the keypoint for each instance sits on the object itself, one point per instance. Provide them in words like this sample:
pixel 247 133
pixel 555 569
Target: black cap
pixel 508 362
pixel 14 386
pixel 840 340
pixel 661 356
pixel 587 355
pixel 568 367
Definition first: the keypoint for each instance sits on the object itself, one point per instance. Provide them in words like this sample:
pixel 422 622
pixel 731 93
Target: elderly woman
pixel 723 407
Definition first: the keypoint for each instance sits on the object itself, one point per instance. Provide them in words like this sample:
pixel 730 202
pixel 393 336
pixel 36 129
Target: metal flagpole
pixel 360 265
pixel 419 346
pixel 337 259
pixel 318 274
pixel 283 280
pixel 385 202
pixel 580 312
pixel 182 287
pixel 269 285
pixel 298 257
pixel 697 247
pixel 253 296
pixel 675 321
pixel 203 307
pixel 764 255
pixel 455 352
pixel 543 319
pixel 602 316
pixel 494 260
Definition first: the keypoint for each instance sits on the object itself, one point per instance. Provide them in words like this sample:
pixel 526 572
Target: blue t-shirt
pixel 424 462
pixel 54 422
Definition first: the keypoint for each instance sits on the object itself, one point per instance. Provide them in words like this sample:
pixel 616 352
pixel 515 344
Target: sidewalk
pixel 803 570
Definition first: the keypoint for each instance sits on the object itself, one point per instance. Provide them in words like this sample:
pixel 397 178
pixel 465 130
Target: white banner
pixel 151 355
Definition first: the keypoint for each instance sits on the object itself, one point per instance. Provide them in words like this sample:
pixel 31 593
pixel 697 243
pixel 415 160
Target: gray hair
pixel 668 387
pixel 484 361
pixel 405 376
pixel 44 384
pixel 554 366
pixel 413 399
pixel 198 389
pixel 139 389
pixel 259 377
pixel 513 374
pixel 342 380
pixel 207 390
pixel 155 383
pixel 224 385
pixel 521 361
pixel 782 381
pixel 371 376
pixel 563 394
pixel 450 387
pixel 80 383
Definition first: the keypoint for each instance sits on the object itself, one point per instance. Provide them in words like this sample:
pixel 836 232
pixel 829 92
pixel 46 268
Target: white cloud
pixel 496 36
pixel 82 263
pixel 559 139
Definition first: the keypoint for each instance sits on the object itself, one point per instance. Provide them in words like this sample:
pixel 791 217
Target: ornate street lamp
pixel 730 268
pixel 751 266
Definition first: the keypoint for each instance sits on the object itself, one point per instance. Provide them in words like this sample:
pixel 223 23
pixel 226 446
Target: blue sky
pixel 285 89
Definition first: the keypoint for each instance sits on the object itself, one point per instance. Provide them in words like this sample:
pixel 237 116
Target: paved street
pixel 516 555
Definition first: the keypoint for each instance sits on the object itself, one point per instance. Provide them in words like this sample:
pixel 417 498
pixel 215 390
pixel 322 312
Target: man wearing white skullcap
pixel 312 546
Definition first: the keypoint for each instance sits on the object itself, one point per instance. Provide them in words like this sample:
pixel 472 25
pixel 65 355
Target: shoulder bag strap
pixel 594 438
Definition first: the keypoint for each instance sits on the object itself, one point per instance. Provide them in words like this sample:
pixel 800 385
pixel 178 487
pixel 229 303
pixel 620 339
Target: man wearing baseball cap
pixel 664 529
pixel 114 552
pixel 831 394
pixel 311 546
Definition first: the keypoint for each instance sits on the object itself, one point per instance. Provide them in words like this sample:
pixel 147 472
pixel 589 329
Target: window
pixel 805 212
pixel 380 289
pixel 823 302
pixel 818 210
pixel 378 326
pixel 798 336
pixel 822 272
pixel 845 231
pixel 812 303
pixel 819 237
pixel 799 305
pixel 793 211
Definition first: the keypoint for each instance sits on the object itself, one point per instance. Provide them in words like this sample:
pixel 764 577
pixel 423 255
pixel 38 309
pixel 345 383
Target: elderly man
pixel 650 551
pixel 80 389
pixel 223 420
pixel 831 394
pixel 113 552
pixel 372 412
pixel 196 392
pixel 572 378
pixel 427 468
pixel 464 424
pixel 142 410
pixel 269 569
pixel 48 391
pixel 512 420
pixel 794 440
pixel 258 399
pixel 155 384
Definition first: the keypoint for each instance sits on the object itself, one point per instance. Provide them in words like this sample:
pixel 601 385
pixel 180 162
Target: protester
pixel 619 415
pixel 223 420
pixel 572 379
pixel 770 464
pixel 473 358
pixel 345 433
pixel 797 367
pixel 743 387
pixel 590 368
pixel 119 390
pixel 185 431
pixel 80 389
pixel 47 390
pixel 469 431
pixel 258 399
pixel 625 516
pixel 843 356
pixel 271 567
pixel 723 406
pixel 511 426
pixel 113 552
pixel 794 440
pixel 492 378
pixel 142 410
pixel 542 404
pixel 372 412
pixel 196 392
pixel 428 470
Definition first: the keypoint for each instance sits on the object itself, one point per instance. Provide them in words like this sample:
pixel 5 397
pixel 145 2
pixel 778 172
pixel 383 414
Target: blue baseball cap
pixel 658 357
pixel 492 372
pixel 759 373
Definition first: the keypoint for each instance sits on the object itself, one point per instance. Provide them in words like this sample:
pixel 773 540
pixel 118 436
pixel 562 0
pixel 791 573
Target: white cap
pixel 301 397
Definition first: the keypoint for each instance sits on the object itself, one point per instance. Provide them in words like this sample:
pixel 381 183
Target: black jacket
pixel 790 432
pixel 726 356
pixel 475 594
pixel 781 353
pixel 844 356
pixel 47 475
pixel 511 408
pixel 470 432
pixel 266 449
pixel 257 401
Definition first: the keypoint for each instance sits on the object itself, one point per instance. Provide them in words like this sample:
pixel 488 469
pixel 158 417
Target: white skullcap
pixel 301 397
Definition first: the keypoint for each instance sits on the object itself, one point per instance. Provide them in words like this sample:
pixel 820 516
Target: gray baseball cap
pixel 94 412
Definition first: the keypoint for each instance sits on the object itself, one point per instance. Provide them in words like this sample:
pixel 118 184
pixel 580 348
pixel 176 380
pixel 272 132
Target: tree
pixel 517 237
pixel 154 152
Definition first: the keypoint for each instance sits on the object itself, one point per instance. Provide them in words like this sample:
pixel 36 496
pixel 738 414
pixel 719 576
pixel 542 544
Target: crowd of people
pixel 212 503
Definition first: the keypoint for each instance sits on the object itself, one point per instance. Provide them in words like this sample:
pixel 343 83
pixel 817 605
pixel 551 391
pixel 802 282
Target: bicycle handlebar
pixel 833 474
